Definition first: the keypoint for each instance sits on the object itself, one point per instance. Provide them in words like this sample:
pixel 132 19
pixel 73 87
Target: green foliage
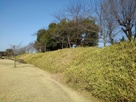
pixel 108 73
pixel 67 33
pixel 41 40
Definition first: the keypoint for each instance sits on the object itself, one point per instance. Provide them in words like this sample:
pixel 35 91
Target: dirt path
pixel 27 83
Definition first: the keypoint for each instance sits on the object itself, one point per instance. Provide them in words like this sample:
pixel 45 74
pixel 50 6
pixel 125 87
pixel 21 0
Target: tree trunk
pixel 68 41
pixel 128 33
pixel 62 41
pixel 45 47
pixel 14 61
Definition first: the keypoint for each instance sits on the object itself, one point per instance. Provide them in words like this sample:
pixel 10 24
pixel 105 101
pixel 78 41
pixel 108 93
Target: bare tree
pixel 135 30
pixel 107 24
pixel 16 52
pixel 59 15
pixel 124 11
pixel 98 9
pixel 29 48
pixel 78 10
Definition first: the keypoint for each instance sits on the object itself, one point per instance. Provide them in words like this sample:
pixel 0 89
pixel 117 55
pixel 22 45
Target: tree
pixel 64 32
pixel 73 23
pixel 89 32
pixel 9 52
pixel 67 33
pixel 124 11
pixel 79 11
pixel 16 51
pixel 51 38
pixel 98 9
pixel 70 33
pixel 46 39
pixel 30 48
pixel 40 45
pixel 60 33
pixel 78 21
pixel 107 23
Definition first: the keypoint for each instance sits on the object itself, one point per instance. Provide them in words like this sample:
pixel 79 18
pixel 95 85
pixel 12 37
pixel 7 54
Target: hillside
pixel 107 73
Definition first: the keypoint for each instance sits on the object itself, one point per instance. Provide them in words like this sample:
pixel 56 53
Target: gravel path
pixel 27 83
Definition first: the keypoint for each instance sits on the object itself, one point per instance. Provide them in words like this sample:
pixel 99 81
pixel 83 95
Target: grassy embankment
pixel 108 73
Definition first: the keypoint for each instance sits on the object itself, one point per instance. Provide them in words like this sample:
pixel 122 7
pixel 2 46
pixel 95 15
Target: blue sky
pixel 20 19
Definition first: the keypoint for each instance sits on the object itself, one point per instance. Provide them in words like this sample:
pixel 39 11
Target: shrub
pixel 108 73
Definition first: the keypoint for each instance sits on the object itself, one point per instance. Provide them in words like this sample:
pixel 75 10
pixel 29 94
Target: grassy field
pixel 107 73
